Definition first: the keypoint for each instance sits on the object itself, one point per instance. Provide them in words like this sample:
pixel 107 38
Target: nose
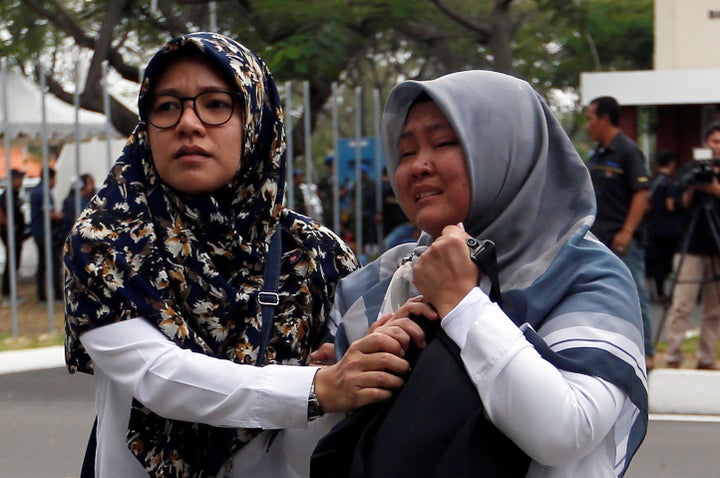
pixel 189 121
pixel 422 165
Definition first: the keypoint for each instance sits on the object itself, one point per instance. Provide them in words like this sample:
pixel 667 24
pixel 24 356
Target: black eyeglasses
pixel 213 108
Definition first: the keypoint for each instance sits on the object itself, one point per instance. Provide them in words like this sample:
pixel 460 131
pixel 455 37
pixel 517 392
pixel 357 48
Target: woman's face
pixel 432 177
pixel 193 157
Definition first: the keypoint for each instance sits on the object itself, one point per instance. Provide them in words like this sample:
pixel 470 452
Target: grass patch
pixel 33 322
pixel 8 342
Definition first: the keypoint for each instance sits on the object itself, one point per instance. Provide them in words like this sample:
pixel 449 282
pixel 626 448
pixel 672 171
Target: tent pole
pixel 47 236
pixel 9 200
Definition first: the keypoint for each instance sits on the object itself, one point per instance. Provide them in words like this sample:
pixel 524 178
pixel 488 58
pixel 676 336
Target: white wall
pixel 687 33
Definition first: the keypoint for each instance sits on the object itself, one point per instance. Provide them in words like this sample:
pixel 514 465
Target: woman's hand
pixel 325 355
pixel 369 372
pixel 401 327
pixel 444 273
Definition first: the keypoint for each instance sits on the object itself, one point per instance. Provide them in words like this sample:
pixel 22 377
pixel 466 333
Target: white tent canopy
pixel 94 160
pixel 24 111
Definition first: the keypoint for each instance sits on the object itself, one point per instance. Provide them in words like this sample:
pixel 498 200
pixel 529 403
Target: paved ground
pixel 45 418
pixel 46 414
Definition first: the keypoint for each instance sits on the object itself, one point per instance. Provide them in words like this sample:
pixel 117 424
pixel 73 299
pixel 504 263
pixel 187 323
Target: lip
pixel 189 152
pixel 426 192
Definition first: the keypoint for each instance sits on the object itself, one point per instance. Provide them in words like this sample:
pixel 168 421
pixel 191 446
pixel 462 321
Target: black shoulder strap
pixel 268 298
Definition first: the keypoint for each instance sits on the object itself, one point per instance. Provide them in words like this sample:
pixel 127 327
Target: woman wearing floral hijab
pixel 546 332
pixel 168 283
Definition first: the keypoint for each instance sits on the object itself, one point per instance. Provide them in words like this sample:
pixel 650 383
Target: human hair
pixel 715 126
pixel 664 158
pixel 420 98
pixel 607 106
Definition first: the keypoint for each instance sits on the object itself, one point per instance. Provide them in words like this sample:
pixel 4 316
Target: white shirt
pixel 134 359
pixel 563 420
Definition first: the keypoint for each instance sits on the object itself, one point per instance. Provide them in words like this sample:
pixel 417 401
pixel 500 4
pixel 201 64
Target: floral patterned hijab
pixel 192 265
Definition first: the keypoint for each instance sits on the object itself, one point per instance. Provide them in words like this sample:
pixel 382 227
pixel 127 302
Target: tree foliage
pixel 369 43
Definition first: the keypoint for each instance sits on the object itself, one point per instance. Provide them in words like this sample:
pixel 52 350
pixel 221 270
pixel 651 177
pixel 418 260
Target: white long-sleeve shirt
pixel 563 420
pixel 134 359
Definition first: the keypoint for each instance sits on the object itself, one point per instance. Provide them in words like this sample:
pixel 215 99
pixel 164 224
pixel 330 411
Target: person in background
pixel 16 179
pixel 699 267
pixel 531 355
pixel 55 236
pixel 196 298
pixel 396 227
pixel 325 191
pixel 87 191
pixel 621 184
pixel 664 223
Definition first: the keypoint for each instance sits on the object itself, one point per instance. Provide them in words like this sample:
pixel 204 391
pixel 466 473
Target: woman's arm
pixel 555 416
pixel 180 384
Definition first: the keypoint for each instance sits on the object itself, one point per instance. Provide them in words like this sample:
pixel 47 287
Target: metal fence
pixel 348 197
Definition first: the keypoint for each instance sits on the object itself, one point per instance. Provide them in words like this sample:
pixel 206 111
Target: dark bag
pixel 434 427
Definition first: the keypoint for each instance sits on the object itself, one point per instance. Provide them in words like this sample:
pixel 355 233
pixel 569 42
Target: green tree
pixel 369 43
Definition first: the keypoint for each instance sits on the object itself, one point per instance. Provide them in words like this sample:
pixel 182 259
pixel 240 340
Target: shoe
pixel 673 364
pixel 707 366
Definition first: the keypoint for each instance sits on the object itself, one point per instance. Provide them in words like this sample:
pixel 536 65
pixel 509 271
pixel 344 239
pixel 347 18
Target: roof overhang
pixel 653 87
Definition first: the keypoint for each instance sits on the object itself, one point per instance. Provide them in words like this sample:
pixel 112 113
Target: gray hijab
pixel 530 189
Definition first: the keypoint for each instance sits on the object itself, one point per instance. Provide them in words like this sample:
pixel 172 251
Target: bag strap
pixel 268 298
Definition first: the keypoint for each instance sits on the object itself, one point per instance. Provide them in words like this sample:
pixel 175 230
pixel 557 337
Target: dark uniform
pixel 617 173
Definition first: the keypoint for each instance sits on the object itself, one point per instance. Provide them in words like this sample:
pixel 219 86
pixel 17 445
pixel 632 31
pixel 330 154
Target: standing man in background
pixel 37 227
pixel 620 179
pixel 16 177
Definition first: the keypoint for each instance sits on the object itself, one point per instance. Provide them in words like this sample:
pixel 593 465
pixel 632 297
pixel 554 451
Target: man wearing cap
pixel 16 179
pixel 621 183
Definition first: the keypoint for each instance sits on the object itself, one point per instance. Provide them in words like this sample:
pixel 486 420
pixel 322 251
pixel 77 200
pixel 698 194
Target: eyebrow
pixel 176 92
pixel 436 126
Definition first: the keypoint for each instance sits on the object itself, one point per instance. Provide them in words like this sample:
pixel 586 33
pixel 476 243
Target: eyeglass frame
pixel 235 96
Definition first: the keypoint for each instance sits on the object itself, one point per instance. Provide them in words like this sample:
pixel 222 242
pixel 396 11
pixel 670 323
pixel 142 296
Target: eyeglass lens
pixel 213 108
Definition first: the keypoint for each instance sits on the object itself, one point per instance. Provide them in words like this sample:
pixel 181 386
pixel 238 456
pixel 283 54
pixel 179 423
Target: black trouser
pixel 57 284
pixel 18 252
pixel 660 261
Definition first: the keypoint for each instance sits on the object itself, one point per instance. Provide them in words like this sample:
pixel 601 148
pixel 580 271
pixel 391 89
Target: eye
pixel 406 154
pixel 406 148
pixel 215 100
pixel 165 104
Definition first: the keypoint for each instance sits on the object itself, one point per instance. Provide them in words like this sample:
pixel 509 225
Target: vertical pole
pixel 9 203
pixel 336 160
pixel 308 138
pixel 47 236
pixel 108 114
pixel 213 16
pixel 358 174
pixel 76 182
pixel 378 173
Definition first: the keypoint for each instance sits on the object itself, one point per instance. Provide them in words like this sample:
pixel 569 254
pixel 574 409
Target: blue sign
pixel 348 151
